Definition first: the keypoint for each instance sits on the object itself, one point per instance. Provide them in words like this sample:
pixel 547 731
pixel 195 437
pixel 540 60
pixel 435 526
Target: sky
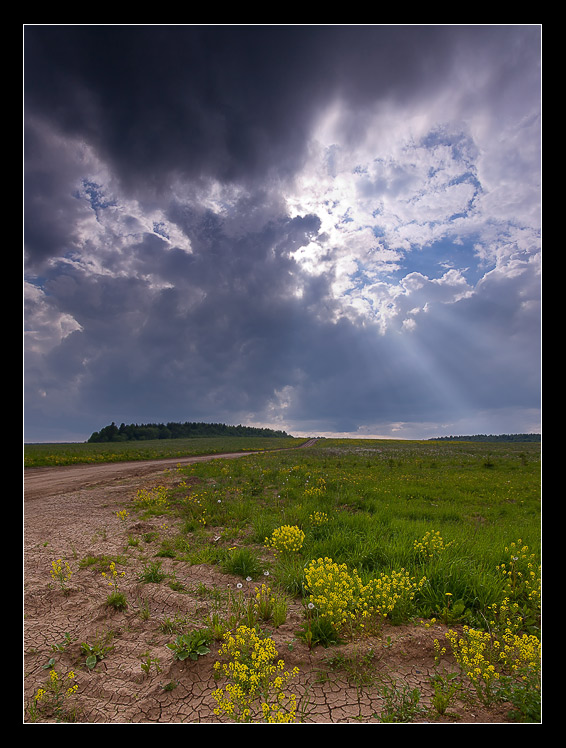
pixel 328 230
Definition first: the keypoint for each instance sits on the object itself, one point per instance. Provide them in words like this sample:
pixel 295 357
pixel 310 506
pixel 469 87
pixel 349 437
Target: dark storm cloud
pixel 154 101
pixel 161 251
pixel 227 102
pixel 219 340
pixel 51 211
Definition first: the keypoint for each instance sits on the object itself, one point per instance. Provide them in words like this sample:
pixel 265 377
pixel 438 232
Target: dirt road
pixel 50 481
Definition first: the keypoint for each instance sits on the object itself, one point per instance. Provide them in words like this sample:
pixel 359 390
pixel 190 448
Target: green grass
pixel 45 455
pixel 380 497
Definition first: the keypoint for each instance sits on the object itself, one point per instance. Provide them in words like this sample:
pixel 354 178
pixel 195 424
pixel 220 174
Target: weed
pixel 152 573
pixel 360 667
pixel 192 645
pixel 524 694
pixel 67 640
pixel 317 629
pixel 51 698
pixel 243 562
pixel 269 606
pixel 431 545
pixel 176 585
pixel 446 687
pixel 115 599
pixel 486 660
pixel 153 501
pixel 347 603
pixel 148 662
pixel 144 610
pixel 286 539
pixel 173 625
pixel 401 704
pixel 317 519
pixel 61 573
pixel 98 650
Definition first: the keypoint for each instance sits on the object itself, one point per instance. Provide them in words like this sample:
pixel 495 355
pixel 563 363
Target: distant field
pixel 44 455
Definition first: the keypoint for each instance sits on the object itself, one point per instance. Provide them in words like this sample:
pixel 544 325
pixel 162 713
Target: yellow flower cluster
pixel 61 572
pixel 122 515
pixel 431 545
pixel 55 690
pixel 505 615
pixel 521 604
pixel 257 680
pixel 333 591
pixel 264 602
pixel 341 597
pixel 484 659
pixel 472 653
pixel 522 574
pixel 520 651
pixel 317 490
pixel 388 589
pixel 287 538
pixel 155 498
pixel 318 518
pixel 114 575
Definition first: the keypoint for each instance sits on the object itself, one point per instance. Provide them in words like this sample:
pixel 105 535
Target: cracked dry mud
pixel 70 513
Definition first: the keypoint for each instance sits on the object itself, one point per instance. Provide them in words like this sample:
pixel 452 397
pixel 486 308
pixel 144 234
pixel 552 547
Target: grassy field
pixel 366 530
pixel 368 504
pixel 447 511
pixel 44 455
pixel 359 531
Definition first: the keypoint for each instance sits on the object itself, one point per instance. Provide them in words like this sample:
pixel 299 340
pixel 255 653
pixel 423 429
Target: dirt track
pixel 42 482
pixel 70 514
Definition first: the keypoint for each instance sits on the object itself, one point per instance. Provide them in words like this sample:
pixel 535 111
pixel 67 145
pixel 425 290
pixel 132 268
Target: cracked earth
pixel 71 514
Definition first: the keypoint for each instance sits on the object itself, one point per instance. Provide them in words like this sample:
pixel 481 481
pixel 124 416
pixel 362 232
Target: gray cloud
pixel 170 279
pixel 230 102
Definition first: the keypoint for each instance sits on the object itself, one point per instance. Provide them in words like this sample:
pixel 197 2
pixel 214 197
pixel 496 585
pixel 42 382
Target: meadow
pixel 83 453
pixel 363 532
pixel 369 504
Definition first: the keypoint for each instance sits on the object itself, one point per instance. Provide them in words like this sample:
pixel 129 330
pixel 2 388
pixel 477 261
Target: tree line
pixel 144 431
pixel 491 438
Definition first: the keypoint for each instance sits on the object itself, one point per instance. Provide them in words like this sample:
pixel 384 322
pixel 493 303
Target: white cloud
pixel 410 181
pixel 45 326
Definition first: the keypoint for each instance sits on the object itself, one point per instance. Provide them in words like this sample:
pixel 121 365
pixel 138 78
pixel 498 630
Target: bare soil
pixel 70 514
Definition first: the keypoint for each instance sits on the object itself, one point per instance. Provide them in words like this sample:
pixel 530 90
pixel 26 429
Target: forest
pixel 144 431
